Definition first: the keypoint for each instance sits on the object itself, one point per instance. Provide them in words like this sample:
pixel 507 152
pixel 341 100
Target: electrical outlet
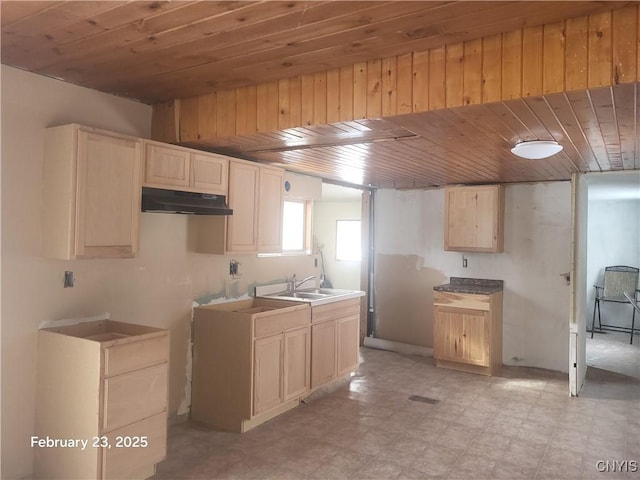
pixel 68 279
pixel 464 262
pixel 233 267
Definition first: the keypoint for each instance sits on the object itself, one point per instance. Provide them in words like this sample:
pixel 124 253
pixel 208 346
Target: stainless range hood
pixel 174 201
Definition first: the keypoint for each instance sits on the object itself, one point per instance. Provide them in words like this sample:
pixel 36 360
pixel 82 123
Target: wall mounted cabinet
pixel 255 195
pixel 172 167
pixel 474 218
pixel 91 193
pixel 104 382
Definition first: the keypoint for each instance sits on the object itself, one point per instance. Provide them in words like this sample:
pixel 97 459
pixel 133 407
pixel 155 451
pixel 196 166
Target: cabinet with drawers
pixel 105 383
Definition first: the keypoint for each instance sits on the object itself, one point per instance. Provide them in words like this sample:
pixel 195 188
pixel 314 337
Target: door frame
pixel 578 278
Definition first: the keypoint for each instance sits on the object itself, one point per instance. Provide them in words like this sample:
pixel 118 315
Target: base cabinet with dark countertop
pixel 467 326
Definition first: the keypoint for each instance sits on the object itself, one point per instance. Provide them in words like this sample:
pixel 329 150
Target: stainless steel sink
pixel 314 296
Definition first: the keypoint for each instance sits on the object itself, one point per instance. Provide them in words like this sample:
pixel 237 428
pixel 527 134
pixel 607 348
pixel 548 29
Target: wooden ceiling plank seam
pixel 576 53
pixel 22 11
pixel 461 158
pixel 532 61
pixel 236 53
pixel 492 127
pixel 624 102
pixel 541 108
pixel 290 60
pixel 599 44
pixel 604 108
pixel 583 109
pixel 523 115
pixel 420 165
pixel 538 69
pixel 625 44
pixel 84 28
pixel 426 143
pixel 553 57
pixel 484 154
pixel 333 95
pixel 84 48
pixel 472 72
pixel 491 68
pixel 511 67
pixel 346 93
pixel 458 154
pixel 389 86
pixel 566 117
pixel 145 40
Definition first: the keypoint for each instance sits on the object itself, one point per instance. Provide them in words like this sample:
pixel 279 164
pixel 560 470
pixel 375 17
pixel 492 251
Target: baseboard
pixel 404 348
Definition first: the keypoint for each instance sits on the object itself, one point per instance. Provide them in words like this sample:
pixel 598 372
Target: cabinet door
pixel 210 173
pixel 267 373
pixel 474 218
pixel 270 210
pixel 242 235
pixel 166 167
pixel 348 343
pixel 108 196
pixel 462 336
pixel 297 362
pixel 323 353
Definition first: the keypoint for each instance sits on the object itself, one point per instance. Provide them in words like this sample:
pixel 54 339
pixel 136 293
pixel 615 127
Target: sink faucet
pixel 295 284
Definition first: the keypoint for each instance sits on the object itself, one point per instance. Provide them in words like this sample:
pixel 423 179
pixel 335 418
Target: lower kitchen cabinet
pixel 323 353
pixel 335 340
pixel 297 363
pixel 467 331
pixel 104 383
pixel 251 361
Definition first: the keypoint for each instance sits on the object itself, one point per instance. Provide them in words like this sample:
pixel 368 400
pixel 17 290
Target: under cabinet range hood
pixel 174 201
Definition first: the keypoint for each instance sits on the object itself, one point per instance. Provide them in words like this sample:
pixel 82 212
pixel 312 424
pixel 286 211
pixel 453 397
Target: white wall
pixel 613 239
pixel 409 228
pixel 156 288
pixel 342 274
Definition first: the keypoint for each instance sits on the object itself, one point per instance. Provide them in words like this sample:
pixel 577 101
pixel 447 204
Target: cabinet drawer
pixel 281 321
pixel 133 396
pixel 136 355
pixel 127 460
pixel 469 301
pixel 332 311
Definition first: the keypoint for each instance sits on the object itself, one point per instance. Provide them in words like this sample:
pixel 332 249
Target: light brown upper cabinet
pixel 255 195
pixel 474 218
pixel 91 194
pixel 179 168
pixel 244 182
pixel 270 201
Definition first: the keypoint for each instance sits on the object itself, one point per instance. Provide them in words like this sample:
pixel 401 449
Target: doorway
pixel 606 232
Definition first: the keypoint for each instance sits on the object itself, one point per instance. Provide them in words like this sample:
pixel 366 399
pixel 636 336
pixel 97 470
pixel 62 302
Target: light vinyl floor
pixel 520 425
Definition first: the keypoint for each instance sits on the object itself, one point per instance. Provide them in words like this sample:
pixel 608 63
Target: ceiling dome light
pixel 536 149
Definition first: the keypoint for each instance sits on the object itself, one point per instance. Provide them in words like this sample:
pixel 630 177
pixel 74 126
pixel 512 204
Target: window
pixel 294 226
pixel 348 244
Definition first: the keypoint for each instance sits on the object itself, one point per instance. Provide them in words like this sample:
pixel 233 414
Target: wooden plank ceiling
pixel 598 128
pixel 156 51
